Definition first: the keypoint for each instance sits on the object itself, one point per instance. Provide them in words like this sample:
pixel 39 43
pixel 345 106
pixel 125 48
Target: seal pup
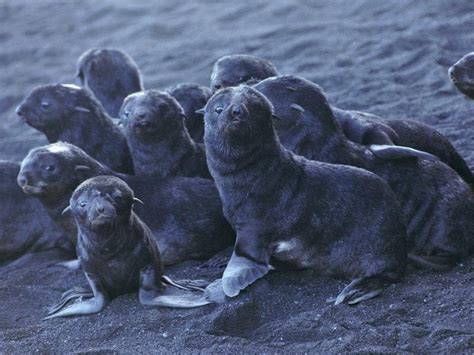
pixel 235 69
pixel 118 253
pixel 462 75
pixel 111 75
pixel 159 142
pixel 438 205
pixel 290 211
pixel 25 225
pixel 71 114
pixel 192 97
pixel 184 214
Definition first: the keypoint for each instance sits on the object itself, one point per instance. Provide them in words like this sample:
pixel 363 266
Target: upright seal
pixel 290 211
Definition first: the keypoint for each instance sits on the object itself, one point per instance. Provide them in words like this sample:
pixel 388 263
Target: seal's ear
pixel 79 168
pixel 297 107
pixel 137 200
pixel 275 117
pixel 201 111
pixel 66 210
pixel 81 109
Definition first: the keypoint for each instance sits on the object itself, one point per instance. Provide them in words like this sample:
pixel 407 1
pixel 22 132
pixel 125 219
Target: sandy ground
pixel 388 58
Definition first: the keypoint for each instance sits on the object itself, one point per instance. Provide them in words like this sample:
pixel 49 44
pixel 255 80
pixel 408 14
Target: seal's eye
pixel 45 104
pixel 82 204
pixel 126 113
pixel 218 110
pixel 49 167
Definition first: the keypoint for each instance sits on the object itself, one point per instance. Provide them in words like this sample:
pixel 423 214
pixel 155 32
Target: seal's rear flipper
pixel 398 152
pixel 91 306
pixel 188 285
pixel 359 290
pixel 173 297
pixel 437 263
pixel 241 272
pixel 74 294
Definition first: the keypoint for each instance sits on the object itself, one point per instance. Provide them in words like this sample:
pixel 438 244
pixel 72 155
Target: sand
pixel 388 58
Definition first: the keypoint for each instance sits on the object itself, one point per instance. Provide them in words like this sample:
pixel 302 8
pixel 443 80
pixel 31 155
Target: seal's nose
pixel 451 72
pixel 236 110
pixel 100 209
pixel 217 87
pixel 22 179
pixel 19 110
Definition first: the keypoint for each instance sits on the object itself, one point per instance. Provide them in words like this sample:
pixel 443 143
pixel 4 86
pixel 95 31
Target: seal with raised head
pixel 111 75
pixel 289 211
pixel 25 225
pixel 462 75
pixel 117 253
pixel 184 214
pixel 438 205
pixel 235 69
pixel 192 97
pixel 71 114
pixel 159 142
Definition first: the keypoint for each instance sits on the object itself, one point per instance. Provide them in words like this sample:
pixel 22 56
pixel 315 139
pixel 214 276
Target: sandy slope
pixel 388 58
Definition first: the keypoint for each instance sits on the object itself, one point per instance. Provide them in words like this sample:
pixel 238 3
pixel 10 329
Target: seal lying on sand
pixel 438 205
pixel 184 214
pixel 111 75
pixel 25 226
pixel 117 253
pixel 71 114
pixel 462 75
pixel 232 70
pixel 192 97
pixel 290 211
pixel 159 142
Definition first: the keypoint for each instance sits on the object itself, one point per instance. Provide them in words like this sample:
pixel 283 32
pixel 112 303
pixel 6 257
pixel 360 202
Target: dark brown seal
pixel 117 253
pixel 289 211
pixel 71 114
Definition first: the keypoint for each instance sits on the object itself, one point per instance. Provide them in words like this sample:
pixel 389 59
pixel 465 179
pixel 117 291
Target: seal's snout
pixel 236 110
pixel 452 73
pixel 20 110
pixel 22 180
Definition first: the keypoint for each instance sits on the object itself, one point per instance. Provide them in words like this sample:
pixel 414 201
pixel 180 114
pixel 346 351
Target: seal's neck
pixel 161 156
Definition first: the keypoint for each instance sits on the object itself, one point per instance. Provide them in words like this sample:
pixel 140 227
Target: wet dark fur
pixel 111 75
pixel 192 97
pixel 462 75
pixel 74 115
pixel 438 205
pixel 24 224
pixel 159 142
pixel 185 214
pixel 344 221
pixel 232 70
pixel 366 129
pixel 114 251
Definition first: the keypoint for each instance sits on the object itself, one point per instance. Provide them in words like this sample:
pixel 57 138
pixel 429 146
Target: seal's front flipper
pixel 76 293
pixel 397 152
pixel 241 272
pixel 435 262
pixel 359 290
pixel 74 264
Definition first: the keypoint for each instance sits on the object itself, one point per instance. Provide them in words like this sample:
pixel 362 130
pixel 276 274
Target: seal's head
pixel 53 170
pixel 102 202
pixel 110 74
pixel 238 117
pixel 232 70
pixel 151 114
pixel 462 75
pixel 51 109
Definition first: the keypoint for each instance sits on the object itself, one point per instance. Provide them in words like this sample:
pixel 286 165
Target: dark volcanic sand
pixel 387 58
